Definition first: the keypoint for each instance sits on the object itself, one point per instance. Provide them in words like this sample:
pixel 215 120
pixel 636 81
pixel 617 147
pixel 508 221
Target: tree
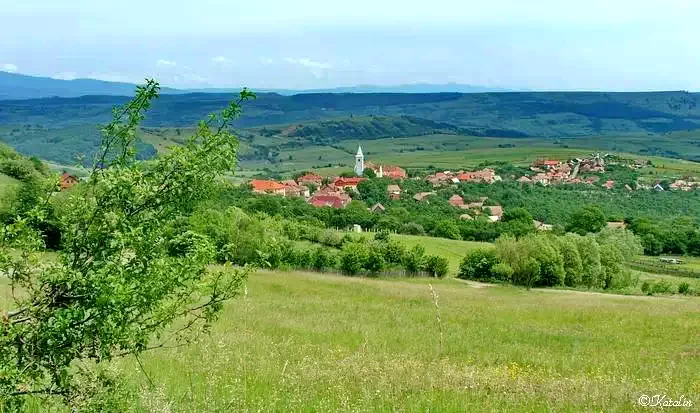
pixel 517 222
pixel 541 248
pixel 369 173
pixel 589 250
pixel 478 265
pixel 447 229
pixel 590 219
pixel 119 281
pixel 573 267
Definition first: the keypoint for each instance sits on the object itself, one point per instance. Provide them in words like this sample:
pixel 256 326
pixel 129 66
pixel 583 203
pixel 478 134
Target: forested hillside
pixel 57 128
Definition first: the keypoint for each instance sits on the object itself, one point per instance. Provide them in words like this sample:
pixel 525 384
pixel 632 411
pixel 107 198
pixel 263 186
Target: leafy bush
pixel 323 259
pixel 502 272
pixel 331 238
pixel 353 257
pixel 478 265
pixel 646 287
pixel 374 263
pixel 382 235
pixel 684 288
pixel 662 287
pixel 446 229
pixel 413 260
pixel 436 266
pixel 393 251
pixel 412 228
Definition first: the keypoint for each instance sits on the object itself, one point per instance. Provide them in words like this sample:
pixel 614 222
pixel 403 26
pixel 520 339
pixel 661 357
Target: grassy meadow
pixel 308 342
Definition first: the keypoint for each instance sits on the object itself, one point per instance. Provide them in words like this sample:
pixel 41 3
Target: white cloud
pixel 65 76
pixel 166 63
pixel 220 59
pixel 309 63
pixel 9 67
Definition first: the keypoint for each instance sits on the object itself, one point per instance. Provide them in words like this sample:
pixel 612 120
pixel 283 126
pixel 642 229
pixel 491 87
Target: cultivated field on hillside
pixel 307 342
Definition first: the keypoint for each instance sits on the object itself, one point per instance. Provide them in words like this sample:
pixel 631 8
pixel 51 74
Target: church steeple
pixel 359 162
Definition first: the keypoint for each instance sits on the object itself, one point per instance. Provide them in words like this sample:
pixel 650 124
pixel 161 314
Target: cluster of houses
pixel 684 185
pixel 553 172
pixel 448 177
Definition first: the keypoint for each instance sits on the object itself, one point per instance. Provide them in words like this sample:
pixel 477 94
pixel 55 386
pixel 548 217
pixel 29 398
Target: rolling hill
pixel 654 124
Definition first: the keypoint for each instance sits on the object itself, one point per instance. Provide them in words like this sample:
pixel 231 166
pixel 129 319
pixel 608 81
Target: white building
pixel 359 162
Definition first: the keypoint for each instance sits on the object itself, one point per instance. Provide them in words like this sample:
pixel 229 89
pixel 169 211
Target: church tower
pixel 359 162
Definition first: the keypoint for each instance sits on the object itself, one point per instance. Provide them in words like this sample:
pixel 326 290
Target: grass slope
pixel 453 250
pixel 304 342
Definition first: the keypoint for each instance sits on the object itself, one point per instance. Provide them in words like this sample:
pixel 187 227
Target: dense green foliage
pixel 545 260
pixel 122 276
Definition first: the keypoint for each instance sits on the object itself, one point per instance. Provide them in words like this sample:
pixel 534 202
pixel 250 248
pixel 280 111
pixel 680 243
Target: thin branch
pixel 144 371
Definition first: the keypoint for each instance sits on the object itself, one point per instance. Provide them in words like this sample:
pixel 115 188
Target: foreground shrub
pixel 413 260
pixel 684 288
pixel 478 265
pixel 393 251
pixel 436 266
pixel 502 272
pixel 375 261
pixel 323 259
pixel 662 287
pixel 353 257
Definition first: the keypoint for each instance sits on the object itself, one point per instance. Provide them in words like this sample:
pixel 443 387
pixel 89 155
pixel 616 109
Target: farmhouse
pixel 456 201
pixel 328 198
pixel 495 212
pixel 394 191
pixel 378 209
pixel 387 171
pixel 262 186
pixel 348 183
pixel 421 196
pixel 310 178
pixel 67 181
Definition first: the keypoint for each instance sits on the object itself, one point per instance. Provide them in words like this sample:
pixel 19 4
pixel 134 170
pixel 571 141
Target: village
pixel 335 192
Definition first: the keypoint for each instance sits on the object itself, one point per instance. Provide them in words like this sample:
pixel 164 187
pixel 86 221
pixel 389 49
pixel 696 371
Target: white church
pixel 360 164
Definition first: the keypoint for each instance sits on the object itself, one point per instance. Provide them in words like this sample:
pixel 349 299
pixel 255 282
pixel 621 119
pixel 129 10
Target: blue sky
pixel 535 44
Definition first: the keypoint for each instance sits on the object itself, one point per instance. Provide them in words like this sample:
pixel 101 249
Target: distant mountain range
pixel 14 86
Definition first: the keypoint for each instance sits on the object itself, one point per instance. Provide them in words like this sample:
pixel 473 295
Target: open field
pixel 306 342
pixel 689 267
pixel 453 152
pixel 453 250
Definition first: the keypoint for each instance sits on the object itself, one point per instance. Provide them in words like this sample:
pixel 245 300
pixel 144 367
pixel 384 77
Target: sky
pixel 620 45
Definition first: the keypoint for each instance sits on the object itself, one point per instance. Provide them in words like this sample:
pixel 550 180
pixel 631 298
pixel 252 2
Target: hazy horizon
pixel 538 45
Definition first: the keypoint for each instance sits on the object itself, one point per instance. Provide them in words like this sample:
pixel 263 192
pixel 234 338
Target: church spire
pixel 359 162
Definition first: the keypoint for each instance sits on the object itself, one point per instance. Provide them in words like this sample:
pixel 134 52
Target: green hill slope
pixel 658 123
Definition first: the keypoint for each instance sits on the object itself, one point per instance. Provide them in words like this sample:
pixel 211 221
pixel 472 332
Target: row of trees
pixel 271 242
pixel 547 260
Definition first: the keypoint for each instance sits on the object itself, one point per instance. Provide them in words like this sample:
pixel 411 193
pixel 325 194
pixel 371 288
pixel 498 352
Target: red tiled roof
pixel 265 185
pixel 456 200
pixel 333 201
pixel 341 182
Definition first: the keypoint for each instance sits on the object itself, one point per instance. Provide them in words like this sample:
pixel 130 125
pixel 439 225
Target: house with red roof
pixel 330 199
pixel 348 183
pixel 263 186
pixel 310 178
pixel 456 201
pixel 67 181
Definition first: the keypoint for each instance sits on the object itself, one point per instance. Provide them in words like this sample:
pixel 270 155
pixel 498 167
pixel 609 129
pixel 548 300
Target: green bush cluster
pixel 547 260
